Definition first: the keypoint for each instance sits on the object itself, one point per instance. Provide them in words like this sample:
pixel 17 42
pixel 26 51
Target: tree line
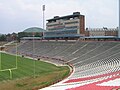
pixel 17 36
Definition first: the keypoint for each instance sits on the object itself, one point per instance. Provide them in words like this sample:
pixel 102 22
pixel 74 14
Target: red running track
pixel 94 86
pixel 93 77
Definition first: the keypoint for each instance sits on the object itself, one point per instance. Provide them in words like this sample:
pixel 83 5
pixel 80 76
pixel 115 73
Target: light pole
pixel 33 52
pixel 119 21
pixel 0 59
pixel 43 8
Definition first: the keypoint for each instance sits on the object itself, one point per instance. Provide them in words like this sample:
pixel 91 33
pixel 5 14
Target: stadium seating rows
pixel 90 60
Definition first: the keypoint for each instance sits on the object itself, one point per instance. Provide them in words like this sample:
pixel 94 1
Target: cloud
pixel 18 15
pixel 101 13
pixel 15 15
pixel 98 13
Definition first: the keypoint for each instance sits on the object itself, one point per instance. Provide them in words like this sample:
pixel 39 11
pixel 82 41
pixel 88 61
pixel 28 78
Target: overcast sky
pixel 17 15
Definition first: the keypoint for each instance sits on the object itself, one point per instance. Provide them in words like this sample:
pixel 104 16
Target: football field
pixel 17 67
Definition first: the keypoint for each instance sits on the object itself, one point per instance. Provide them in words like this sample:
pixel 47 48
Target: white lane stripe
pixel 115 82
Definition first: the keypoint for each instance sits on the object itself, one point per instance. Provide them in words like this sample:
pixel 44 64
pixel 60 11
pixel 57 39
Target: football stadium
pixel 65 56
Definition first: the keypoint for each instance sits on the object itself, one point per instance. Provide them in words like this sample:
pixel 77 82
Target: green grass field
pixel 24 69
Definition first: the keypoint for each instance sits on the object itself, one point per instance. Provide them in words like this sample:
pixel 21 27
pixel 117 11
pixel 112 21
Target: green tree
pixel 3 37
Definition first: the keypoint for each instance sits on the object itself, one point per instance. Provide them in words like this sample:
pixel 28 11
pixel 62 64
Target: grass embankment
pixel 23 77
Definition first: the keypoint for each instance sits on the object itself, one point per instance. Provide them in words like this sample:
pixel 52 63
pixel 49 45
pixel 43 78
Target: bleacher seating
pixel 90 60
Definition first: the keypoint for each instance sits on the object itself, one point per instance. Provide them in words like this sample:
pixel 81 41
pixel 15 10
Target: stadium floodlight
pixel 43 8
pixel 43 15
pixel 119 21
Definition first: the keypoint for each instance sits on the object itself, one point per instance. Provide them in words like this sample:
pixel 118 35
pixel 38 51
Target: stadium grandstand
pixel 93 62
pixel 95 65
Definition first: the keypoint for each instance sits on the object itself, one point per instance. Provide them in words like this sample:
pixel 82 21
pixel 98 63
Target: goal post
pixel 9 69
pixel 16 57
pixel 0 60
